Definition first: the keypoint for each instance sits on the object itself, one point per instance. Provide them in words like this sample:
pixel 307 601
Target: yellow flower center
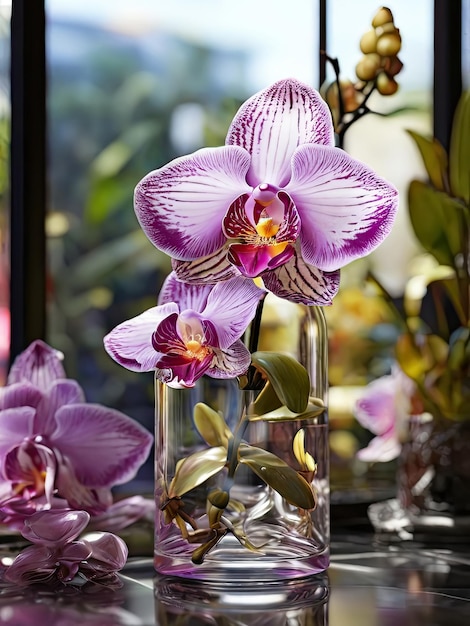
pixel 266 228
pixel 195 350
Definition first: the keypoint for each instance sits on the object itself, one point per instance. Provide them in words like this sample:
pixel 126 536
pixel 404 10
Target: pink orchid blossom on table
pixel 56 450
pixel 279 201
pixel 194 330
pixel 384 409
pixel 58 557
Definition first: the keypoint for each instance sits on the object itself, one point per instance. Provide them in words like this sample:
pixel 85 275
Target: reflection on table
pixel 382 586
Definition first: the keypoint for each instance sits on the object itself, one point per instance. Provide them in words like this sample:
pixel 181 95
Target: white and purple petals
pixel 278 201
pixel 383 409
pixel 55 446
pixel 194 330
pixel 40 364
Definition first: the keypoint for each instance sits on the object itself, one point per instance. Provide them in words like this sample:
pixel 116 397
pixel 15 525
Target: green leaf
pixel 314 408
pixel 196 468
pixel 211 425
pixel 417 287
pixel 417 361
pixel 434 158
pixel 278 475
pixel 459 153
pixel 290 380
pixel 266 401
pixel 459 351
pixel 437 221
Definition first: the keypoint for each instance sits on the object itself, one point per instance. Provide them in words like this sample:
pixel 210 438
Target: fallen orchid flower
pixel 56 450
pixel 278 201
pixel 195 330
pixel 58 557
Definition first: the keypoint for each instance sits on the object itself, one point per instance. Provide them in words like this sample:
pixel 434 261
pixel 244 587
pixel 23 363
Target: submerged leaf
pixel 277 474
pixel 196 468
pixel 290 380
pixel 211 425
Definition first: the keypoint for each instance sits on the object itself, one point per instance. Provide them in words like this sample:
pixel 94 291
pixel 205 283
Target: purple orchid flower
pixel 57 557
pixel 57 451
pixel 278 201
pixel 384 409
pixel 194 330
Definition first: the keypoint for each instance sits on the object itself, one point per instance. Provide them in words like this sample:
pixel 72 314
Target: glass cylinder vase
pixel 433 476
pixel 229 489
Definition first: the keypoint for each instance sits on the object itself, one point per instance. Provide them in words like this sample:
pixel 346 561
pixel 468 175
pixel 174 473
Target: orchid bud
pixel 383 16
pixel 368 42
pixel 385 28
pixel 386 85
pixel 389 44
pixel 368 66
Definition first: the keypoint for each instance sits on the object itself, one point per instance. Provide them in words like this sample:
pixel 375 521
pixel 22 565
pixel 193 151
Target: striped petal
pixel 39 364
pixel 231 306
pixel 16 424
pixel 61 392
pixel 298 282
pixel 231 362
pixel 273 123
pixel 187 296
pixel 104 446
pixel 208 270
pixel 345 208
pixel 19 394
pixel 130 343
pixel 180 207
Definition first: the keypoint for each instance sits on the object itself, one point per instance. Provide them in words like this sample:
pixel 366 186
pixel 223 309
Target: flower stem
pixel 255 327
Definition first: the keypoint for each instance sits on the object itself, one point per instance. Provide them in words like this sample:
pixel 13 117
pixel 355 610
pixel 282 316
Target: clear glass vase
pixel 224 525
pixel 432 503
pixel 434 476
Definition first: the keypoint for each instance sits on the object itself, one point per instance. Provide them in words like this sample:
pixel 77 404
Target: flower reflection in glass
pixel 194 330
pixel 278 201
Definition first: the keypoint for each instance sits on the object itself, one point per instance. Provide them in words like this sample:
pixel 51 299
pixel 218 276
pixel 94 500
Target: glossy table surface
pixel 367 584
